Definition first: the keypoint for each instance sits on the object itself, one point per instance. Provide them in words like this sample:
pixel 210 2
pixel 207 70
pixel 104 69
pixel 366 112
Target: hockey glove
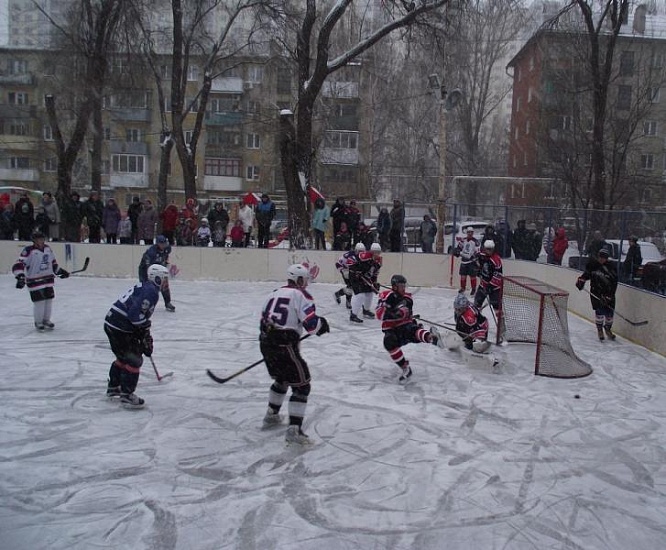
pixel 20 280
pixel 376 286
pixel 62 273
pixel 147 344
pixel 580 283
pixel 323 326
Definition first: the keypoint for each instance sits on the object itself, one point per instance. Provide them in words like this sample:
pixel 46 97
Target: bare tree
pixel 316 58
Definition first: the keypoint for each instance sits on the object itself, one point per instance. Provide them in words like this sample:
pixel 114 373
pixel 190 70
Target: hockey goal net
pixel 536 312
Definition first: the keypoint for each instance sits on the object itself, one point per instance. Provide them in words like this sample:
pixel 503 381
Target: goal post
pixel 536 312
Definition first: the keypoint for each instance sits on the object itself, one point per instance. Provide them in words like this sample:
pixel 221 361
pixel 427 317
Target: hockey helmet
pixel 204 221
pixel 396 280
pixel 461 302
pixel 157 274
pixel 360 247
pixel 161 239
pixel 376 247
pixel 296 271
pixel 37 234
pixel 489 244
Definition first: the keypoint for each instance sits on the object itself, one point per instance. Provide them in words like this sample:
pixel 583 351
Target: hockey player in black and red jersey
pixel 490 272
pixel 37 268
pixel 603 283
pixel 342 265
pixel 394 310
pixel 468 250
pixel 127 326
pixel 363 274
pixel 157 253
pixel 287 312
pixel 471 325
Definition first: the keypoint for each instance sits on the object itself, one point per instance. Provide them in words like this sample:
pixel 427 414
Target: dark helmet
pixel 398 280
pixel 37 234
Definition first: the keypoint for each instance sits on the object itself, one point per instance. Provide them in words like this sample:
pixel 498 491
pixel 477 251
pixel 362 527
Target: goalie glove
pixel 580 283
pixel 62 273
pixel 147 344
pixel 323 326
pixel 20 280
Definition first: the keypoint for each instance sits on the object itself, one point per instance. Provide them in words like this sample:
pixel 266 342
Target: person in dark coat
pixel 353 219
pixel 7 222
pixel 522 241
pixel 110 220
pixel 632 262
pixel 24 217
pixel 72 216
pixel 133 211
pixel 343 238
pixel 603 284
pixel 397 226
pixel 384 229
pixel 338 214
pixel 219 214
pixel 265 212
pixel 93 210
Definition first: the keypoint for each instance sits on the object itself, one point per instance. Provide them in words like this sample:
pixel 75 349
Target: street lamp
pixel 447 101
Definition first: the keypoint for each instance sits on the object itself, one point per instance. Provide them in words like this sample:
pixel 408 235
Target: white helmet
pixel 461 302
pixel 204 221
pixel 489 244
pixel 360 247
pixel 470 229
pixel 376 247
pixel 298 270
pixel 157 274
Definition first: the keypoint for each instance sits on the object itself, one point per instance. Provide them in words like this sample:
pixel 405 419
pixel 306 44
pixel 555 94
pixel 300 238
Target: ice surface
pixel 459 459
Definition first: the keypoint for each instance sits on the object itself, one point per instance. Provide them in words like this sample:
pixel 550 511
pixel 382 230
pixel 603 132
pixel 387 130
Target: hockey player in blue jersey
pixel 38 268
pixel 157 253
pixel 127 326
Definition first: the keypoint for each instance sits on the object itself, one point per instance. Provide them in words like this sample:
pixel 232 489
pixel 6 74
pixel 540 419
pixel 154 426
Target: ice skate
pixel 272 418
pixel 348 303
pixel 170 307
pixel 406 375
pixel 368 314
pixel 131 401
pixel 48 324
pixel 337 297
pixel 600 333
pixel 354 319
pixel 296 435
pixel 113 392
pixel 609 333
pixel 40 327
pixel 436 338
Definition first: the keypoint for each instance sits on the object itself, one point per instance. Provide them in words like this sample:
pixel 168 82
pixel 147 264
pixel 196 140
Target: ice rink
pixel 460 459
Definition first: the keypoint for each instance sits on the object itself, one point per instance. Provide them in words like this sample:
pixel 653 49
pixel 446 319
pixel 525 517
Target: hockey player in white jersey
pixel 287 312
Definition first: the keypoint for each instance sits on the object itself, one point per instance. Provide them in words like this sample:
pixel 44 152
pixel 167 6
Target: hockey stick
pixel 632 323
pixel 85 266
pixel 159 378
pixel 219 380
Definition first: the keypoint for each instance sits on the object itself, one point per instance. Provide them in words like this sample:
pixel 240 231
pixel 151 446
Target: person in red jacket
pixel 560 245
pixel 169 218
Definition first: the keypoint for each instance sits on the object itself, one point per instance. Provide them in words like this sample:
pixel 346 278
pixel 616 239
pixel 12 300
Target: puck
pixel 576 396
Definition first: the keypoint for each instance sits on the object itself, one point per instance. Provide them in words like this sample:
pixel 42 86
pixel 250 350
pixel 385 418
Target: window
pixel 253 107
pixel 18 98
pixel 647 161
pixel 107 133
pixel 518 74
pixel 223 137
pixel 627 64
pixel 529 95
pixel 51 164
pixel 252 173
pixel 193 73
pixel 255 74
pixel 650 128
pixel 518 102
pixel 252 142
pixel 165 72
pixel 658 61
pixel 224 103
pixel 646 195
pixel 653 95
pixel 527 128
pixel 342 140
pixel 517 190
pixel 187 134
pixel 624 98
pixel 47 132
pixel 106 167
pixel 222 167
pixel 532 63
pixel 18 66
pixel 515 133
pixel 283 81
pixel 137 99
pixel 20 163
pixel 18 127
pixel 133 135
pixel 567 122
pixel 131 164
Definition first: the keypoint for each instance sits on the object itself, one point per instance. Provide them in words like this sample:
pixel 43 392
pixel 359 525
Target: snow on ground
pixel 459 459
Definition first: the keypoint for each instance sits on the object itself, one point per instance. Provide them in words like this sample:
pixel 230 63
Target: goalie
pixel 471 324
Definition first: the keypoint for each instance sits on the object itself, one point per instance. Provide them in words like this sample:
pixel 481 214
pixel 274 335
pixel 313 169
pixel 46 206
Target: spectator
pixel 110 220
pixel 384 229
pixel 52 212
pixel 93 210
pixel 133 212
pixel 204 233
pixel 185 232
pixel 7 222
pixel 246 215
pixel 320 222
pixel 535 242
pixel 339 214
pixel 596 244
pixel 72 216
pixel 189 213
pixel 169 218
pixel 147 221
pixel 24 217
pixel 365 236
pixel 265 212
pixel 353 219
pixel 560 245
pixel 219 214
pixel 343 238
pixel 503 235
pixel 522 241
pixel 5 199
pixel 428 230
pixel 237 234
pixel 397 226
pixel 125 229
pixel 632 262
pixel 42 221
pixel 547 242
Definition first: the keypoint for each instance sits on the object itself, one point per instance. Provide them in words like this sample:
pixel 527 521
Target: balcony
pixel 17 80
pixel 224 118
pixel 129 114
pixel 129 148
pixel 223 183
pixel 227 85
pixel 340 89
pixel 339 156
pixel 124 179
pixel 18 174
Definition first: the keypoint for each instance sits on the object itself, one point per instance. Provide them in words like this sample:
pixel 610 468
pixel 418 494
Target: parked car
pixel 649 253
pixel 460 230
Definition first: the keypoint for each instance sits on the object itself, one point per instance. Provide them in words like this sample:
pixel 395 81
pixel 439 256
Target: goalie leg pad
pixel 480 346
